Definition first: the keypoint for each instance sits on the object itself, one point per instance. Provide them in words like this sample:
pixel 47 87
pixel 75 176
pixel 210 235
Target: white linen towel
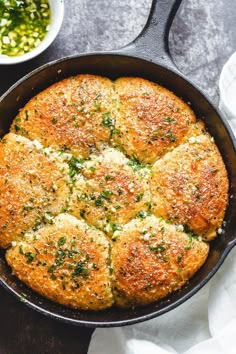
pixel 204 324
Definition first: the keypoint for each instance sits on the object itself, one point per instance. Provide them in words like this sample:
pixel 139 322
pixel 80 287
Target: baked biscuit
pixel 151 259
pixel 73 115
pixel 66 262
pixel 189 186
pixel 151 119
pixel 33 186
pixel 111 192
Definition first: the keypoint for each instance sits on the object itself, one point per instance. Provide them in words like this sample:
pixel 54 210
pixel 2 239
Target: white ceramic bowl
pixel 227 86
pixel 57 13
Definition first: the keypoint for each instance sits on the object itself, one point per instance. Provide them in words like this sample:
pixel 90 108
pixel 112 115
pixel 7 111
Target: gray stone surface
pixel 202 37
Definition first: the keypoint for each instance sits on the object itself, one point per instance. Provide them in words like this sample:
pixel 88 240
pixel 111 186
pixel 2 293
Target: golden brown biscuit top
pixel 72 115
pixel 65 261
pixel 151 120
pixel 189 186
pixel 151 258
pixel 33 184
pixel 110 192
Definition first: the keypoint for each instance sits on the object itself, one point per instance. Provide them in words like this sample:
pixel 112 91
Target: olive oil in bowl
pixel 23 25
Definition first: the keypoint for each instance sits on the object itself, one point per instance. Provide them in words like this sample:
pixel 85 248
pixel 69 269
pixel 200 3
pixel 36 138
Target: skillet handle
pixel 152 42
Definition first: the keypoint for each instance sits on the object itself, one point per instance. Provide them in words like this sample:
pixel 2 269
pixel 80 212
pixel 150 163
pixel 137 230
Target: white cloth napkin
pixel 205 324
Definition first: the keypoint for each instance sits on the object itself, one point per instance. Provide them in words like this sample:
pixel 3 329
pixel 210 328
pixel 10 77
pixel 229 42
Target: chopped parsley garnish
pixel 110 270
pixel 135 164
pixel 186 229
pixel 115 227
pixel 106 194
pixel 142 214
pixel 97 106
pixel 80 270
pixel 139 197
pixel 158 249
pixel 30 256
pixel 170 136
pixel 27 207
pixel 115 131
pixel 17 127
pixel 179 258
pixel 108 217
pixel 107 120
pixel 75 166
pixel 168 119
pixel 51 271
pixel 83 196
pixel 54 121
pixel 82 213
pixel 26 115
pixel 149 205
pixel 99 202
pixel 109 178
pixel 61 241
pixel 189 244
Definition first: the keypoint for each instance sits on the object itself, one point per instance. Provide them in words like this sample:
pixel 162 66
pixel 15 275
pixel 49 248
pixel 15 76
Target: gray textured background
pixel 202 38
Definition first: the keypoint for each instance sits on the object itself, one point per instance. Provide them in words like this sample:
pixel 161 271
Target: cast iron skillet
pixel 148 57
